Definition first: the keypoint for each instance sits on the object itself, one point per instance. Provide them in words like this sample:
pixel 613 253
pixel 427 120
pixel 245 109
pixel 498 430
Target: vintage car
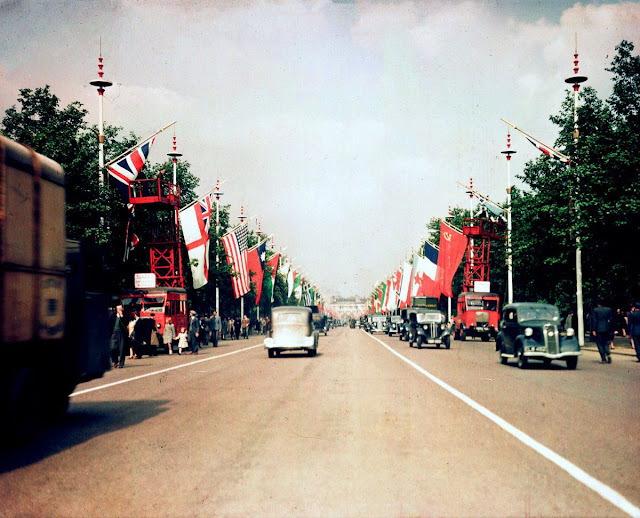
pixel 392 324
pixel 478 315
pixel 377 323
pixel 532 331
pixel 291 330
pixel 320 323
pixel 430 328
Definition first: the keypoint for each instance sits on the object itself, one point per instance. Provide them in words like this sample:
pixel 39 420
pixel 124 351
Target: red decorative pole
pixel 509 152
pixel 174 155
pixel 101 84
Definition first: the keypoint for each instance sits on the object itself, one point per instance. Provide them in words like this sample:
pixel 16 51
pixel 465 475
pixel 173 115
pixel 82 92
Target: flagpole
pixel 561 155
pixel 508 153
pixel 136 145
pixel 575 80
pixel 217 194
pixel 101 83
pixel 242 217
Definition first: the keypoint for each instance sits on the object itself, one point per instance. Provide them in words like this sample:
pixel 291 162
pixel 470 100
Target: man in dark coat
pixel 193 334
pixel 633 327
pixel 601 324
pixel 119 335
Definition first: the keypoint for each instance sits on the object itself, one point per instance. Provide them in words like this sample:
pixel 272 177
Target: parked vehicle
pixel 532 331
pixel 291 330
pixel 320 323
pixel 430 328
pixel 54 323
pixel 377 323
pixel 392 324
pixel 478 315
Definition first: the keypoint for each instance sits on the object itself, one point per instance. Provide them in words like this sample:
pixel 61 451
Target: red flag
pixel 255 263
pixel 452 247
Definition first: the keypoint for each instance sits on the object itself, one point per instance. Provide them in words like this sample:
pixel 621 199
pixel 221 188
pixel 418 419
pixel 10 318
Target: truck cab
pixel 478 315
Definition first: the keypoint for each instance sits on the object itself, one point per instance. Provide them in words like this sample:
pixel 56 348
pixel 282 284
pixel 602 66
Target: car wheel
pixel 503 359
pixel 311 352
pixel 523 361
pixel 546 362
pixel 419 342
pixel 572 363
pixel 447 342
pixel 272 353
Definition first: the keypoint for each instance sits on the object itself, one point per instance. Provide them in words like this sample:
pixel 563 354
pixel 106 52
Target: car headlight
pixel 425 327
pixel 528 332
pixel 570 332
pixel 441 326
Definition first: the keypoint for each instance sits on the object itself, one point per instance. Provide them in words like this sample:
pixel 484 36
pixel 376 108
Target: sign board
pixel 482 286
pixel 425 302
pixel 144 280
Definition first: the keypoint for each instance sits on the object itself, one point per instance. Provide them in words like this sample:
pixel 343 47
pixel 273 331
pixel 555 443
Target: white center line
pixel 592 483
pixel 163 370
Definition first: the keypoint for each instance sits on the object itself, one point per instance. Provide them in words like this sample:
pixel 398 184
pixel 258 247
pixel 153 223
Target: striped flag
pixel 235 245
pixel 552 153
pixel 195 220
pixel 127 169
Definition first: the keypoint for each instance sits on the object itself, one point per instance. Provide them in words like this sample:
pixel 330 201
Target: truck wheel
pixel 484 337
pixel 572 363
pixel 523 361
pixel 25 406
pixel 463 334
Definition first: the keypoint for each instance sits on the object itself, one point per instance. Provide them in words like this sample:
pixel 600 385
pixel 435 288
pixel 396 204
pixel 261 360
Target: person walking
pixel 245 326
pixel 194 332
pixel 215 324
pixel 231 328
pixel 182 340
pixel 130 327
pixel 601 321
pixel 633 327
pixel 237 323
pixel 119 334
pixel 169 334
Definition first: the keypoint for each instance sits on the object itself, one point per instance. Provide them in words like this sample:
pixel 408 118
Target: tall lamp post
pixel 101 84
pixel 508 152
pixel 217 194
pixel 575 80
pixel 242 217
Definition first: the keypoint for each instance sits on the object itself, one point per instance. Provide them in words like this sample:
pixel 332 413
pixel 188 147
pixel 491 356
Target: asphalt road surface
pixel 368 427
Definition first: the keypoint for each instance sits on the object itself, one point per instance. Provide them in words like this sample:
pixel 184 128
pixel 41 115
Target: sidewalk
pixel 622 345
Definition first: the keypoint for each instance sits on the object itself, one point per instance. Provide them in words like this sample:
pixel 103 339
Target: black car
pixel 429 327
pixel 532 331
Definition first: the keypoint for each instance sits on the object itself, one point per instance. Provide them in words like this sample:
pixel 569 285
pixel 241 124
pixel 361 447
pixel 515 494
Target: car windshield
pixel 490 304
pixel 539 313
pixel 396 318
pixel 291 318
pixel 379 319
pixel 428 317
pixel 474 303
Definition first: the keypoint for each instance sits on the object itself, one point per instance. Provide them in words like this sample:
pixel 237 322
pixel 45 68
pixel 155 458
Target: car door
pixel 510 329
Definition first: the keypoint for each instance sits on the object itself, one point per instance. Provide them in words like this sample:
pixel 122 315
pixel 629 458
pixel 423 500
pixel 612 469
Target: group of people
pixel 604 323
pixel 133 336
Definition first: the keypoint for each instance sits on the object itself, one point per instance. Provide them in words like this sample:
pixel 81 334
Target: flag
pixel 550 152
pixel 271 280
pixel 405 284
pixel 416 277
pixel 392 291
pixel 127 169
pixel 452 247
pixel 308 295
pixel 383 297
pixel 255 262
pixel 297 287
pixel 195 220
pixel 430 286
pixel 291 275
pixel 235 245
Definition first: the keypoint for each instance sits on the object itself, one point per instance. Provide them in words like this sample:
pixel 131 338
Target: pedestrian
pixel 223 328
pixel 182 340
pixel 132 336
pixel 204 332
pixel 231 331
pixel 119 334
pixel 215 324
pixel 237 325
pixel 601 328
pixel 194 332
pixel 245 326
pixel 154 340
pixel 621 323
pixel 633 327
pixel 169 334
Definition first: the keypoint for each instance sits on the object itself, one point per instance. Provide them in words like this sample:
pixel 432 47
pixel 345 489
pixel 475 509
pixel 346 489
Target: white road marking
pixel 580 475
pixel 163 370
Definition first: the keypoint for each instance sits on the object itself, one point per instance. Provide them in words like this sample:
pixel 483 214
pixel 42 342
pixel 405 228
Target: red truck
pixel 478 314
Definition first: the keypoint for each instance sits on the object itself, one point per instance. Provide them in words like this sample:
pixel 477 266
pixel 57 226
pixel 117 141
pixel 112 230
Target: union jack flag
pixel 128 168
pixel 206 204
pixel 236 245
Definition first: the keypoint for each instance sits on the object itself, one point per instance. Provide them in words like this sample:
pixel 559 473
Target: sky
pixel 343 126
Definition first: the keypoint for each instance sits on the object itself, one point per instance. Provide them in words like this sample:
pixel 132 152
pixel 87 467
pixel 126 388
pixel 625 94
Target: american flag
pixel 127 169
pixel 235 245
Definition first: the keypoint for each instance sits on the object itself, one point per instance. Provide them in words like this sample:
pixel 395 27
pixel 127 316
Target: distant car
pixel 377 323
pixel 291 330
pixel 532 331
pixel 430 328
pixel 392 324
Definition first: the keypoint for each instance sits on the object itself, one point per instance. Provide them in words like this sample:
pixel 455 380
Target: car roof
pixel 291 309
pixel 478 294
pixel 518 305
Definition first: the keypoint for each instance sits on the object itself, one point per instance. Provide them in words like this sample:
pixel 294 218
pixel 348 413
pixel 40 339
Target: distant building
pixel 348 307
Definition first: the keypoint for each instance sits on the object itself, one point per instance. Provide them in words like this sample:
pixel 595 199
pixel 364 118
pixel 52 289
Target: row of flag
pixel 427 275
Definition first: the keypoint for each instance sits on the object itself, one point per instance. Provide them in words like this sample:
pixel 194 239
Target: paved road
pixel 369 427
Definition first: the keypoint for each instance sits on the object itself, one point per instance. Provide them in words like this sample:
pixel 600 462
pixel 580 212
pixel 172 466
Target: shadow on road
pixel 83 422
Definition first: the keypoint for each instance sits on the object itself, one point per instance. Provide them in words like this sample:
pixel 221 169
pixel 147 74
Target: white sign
pixel 144 280
pixel 482 286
